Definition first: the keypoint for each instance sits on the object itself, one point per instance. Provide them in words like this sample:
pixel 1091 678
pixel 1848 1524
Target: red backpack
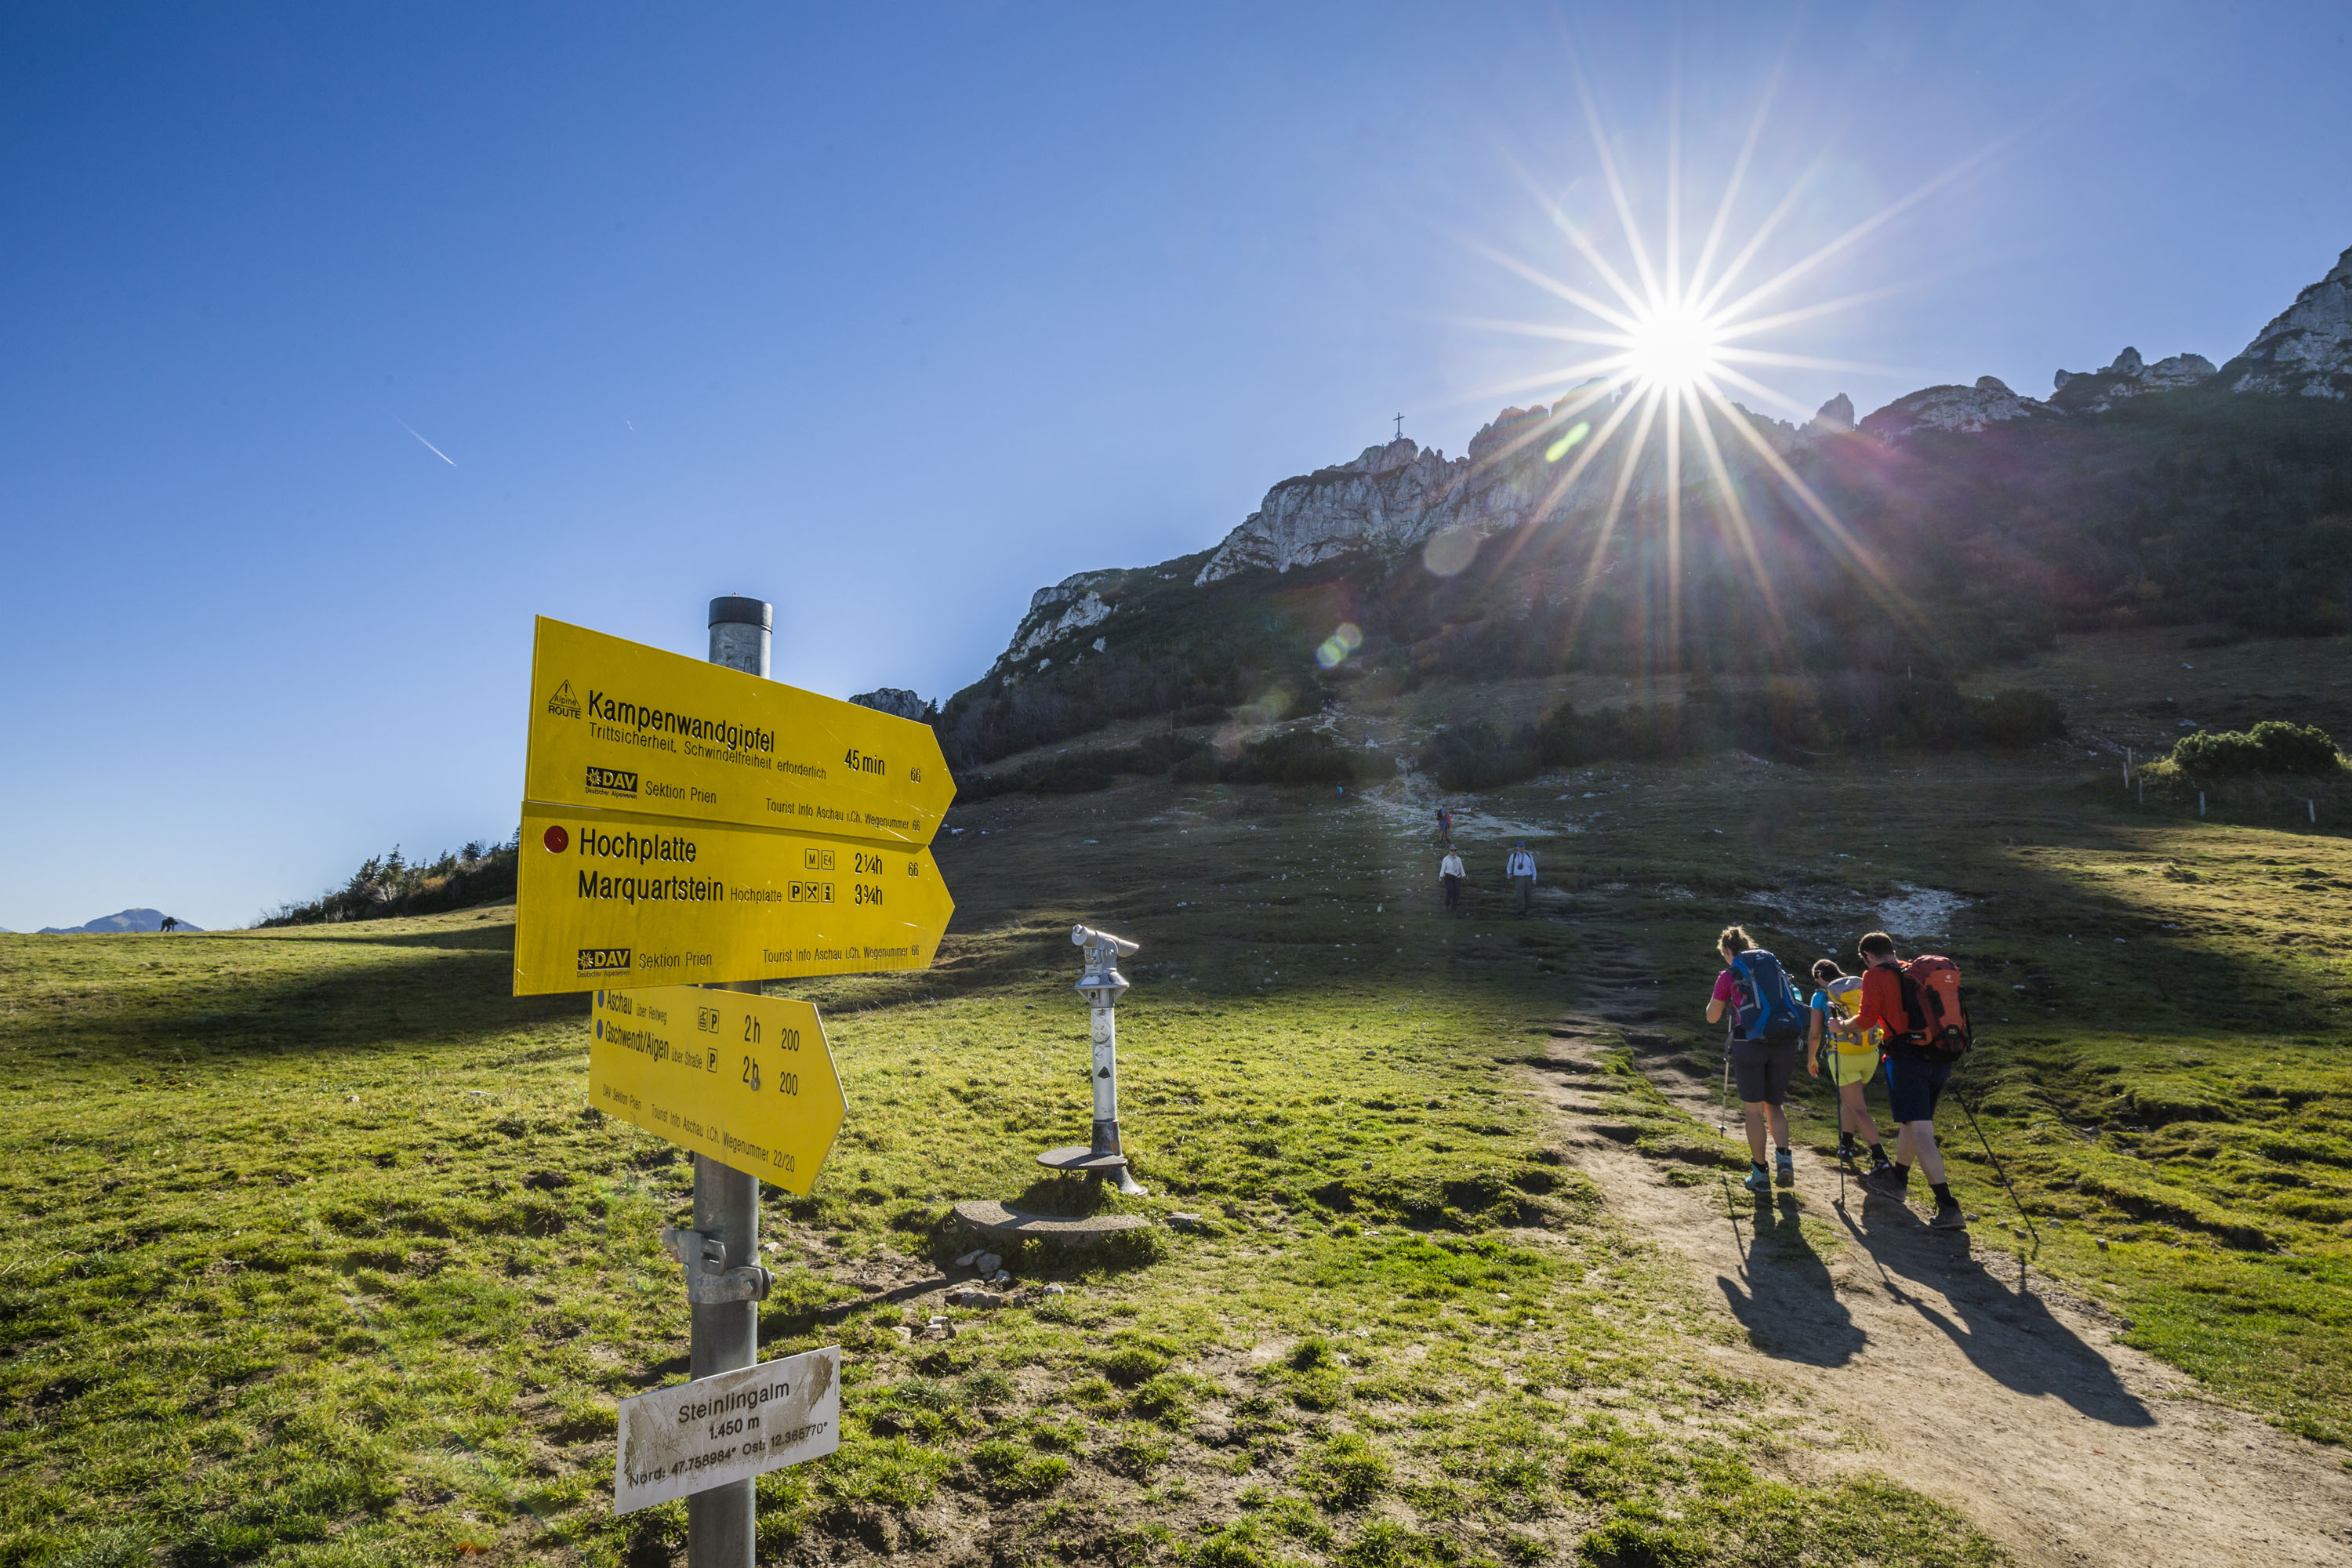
pixel 1931 994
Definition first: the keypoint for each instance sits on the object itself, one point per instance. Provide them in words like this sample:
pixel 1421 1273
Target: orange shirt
pixel 1882 1003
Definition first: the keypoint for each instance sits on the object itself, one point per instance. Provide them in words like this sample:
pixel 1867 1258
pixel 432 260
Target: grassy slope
pixel 315 1255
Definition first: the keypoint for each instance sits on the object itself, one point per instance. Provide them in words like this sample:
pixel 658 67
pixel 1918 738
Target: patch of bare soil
pixel 2004 1396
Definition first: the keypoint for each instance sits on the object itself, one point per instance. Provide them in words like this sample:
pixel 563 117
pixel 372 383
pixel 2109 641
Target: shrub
pixel 2270 747
pixel 1294 757
pixel 1473 756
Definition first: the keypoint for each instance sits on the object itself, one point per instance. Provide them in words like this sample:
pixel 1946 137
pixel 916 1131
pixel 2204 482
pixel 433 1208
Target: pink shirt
pixel 1723 991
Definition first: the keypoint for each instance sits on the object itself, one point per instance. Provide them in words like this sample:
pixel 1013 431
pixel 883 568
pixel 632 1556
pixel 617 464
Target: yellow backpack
pixel 1845 995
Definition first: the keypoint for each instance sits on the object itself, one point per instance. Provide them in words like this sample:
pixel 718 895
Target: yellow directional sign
pixel 622 898
pixel 620 725
pixel 747 1080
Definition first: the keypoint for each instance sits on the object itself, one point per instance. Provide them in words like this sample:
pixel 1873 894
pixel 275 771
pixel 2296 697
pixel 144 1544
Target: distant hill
pixel 118 922
pixel 1956 527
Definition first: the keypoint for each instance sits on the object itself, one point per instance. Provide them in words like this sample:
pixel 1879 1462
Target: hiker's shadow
pixel 2009 1334
pixel 1788 1304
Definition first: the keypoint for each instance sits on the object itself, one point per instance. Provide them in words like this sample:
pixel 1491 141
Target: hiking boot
pixel 1949 1217
pixel 1784 1166
pixel 1883 1181
pixel 1757 1181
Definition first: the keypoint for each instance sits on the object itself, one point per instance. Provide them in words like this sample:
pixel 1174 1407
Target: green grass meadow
pixel 314 1253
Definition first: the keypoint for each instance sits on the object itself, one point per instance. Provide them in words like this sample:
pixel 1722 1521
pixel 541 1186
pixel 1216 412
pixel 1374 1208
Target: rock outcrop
pixel 2306 351
pixel 1967 409
pixel 1835 417
pixel 895 699
pixel 1526 464
pixel 2095 392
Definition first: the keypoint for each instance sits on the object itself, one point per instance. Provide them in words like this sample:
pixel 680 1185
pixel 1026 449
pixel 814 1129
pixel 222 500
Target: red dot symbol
pixel 556 840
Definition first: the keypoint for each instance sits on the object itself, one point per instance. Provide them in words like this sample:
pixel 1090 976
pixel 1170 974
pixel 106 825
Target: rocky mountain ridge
pixel 2072 507
pixel 1400 495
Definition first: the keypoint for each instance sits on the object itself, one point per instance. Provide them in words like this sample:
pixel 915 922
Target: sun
pixel 1672 347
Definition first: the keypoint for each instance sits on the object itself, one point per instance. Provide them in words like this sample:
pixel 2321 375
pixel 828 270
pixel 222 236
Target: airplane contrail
pixel 429 446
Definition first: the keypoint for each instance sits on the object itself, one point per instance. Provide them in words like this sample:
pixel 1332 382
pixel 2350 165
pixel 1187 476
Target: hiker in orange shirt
pixel 1914 1083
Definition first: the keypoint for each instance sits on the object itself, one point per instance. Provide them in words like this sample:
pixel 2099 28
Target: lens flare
pixel 1335 649
pixel 1666 340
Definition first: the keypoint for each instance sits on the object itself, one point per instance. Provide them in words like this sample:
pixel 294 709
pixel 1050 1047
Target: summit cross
pixel 1399 426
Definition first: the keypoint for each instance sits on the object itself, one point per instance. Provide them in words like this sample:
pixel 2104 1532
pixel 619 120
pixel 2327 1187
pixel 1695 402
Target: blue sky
pixel 893 315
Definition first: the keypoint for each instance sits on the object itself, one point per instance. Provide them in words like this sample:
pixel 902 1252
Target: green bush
pixel 2270 747
pixel 1293 757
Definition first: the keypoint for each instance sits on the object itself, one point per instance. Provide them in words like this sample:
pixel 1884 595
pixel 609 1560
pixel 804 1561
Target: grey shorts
pixel 1762 1072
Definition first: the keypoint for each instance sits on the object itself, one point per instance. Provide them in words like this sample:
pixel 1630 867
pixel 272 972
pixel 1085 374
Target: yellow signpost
pixel 618 724
pixel 613 899
pixel 747 1080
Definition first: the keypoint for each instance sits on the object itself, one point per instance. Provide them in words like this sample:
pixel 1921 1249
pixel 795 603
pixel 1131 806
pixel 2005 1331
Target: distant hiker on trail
pixel 1760 1047
pixel 1449 876
pixel 1914 1078
pixel 1521 870
pixel 1853 1060
pixel 1445 827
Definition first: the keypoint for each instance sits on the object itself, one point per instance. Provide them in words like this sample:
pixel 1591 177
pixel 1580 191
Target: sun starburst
pixel 1666 340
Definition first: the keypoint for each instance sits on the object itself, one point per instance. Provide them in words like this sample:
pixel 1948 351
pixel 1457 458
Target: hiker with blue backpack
pixel 1766 1017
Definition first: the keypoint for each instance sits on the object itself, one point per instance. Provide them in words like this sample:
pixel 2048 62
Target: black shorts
pixel 1763 1071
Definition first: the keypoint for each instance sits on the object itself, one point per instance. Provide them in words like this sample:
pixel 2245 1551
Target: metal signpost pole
pixel 726 1334
pixel 1101 986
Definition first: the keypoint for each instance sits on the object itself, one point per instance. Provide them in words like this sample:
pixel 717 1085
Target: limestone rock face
pixel 1524 465
pixel 895 699
pixel 2306 351
pixel 2095 392
pixel 1967 409
pixel 1072 604
pixel 1835 419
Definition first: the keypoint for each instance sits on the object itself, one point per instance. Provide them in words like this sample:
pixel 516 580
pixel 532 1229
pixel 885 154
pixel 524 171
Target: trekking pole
pixel 1723 1100
pixel 1998 1172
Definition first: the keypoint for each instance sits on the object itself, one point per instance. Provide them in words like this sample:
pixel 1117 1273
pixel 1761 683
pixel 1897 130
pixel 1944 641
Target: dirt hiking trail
pixel 2015 1405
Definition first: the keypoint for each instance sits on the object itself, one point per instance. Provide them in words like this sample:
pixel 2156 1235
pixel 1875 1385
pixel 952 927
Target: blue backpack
pixel 1765 1004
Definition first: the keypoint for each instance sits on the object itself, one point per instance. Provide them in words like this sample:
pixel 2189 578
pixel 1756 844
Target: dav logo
pixel 565 703
pixel 604 960
pixel 612 781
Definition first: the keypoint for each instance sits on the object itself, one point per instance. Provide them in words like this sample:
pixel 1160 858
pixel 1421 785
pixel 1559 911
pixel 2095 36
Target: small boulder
pixel 1187 1222
pixel 987 1262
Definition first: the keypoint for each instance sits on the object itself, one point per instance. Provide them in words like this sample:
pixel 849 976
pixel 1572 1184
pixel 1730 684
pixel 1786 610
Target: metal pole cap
pixel 731 609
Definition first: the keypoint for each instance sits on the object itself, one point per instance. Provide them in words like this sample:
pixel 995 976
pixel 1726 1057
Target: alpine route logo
pixel 604 960
pixel 566 703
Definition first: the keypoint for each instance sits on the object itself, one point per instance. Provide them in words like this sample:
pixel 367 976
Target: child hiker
pixel 1853 1060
